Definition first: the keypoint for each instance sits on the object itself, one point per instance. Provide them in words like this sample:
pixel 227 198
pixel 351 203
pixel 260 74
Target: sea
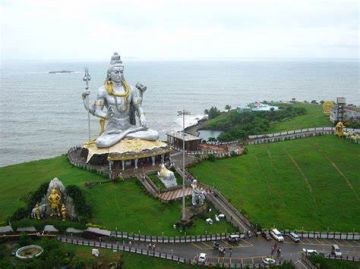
pixel 42 114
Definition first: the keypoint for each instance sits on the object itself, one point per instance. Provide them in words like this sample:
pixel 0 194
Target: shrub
pixel 211 157
pixel 82 209
pixel 19 214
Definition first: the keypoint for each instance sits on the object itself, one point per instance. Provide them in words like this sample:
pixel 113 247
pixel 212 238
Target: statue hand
pixel 85 94
pixel 143 121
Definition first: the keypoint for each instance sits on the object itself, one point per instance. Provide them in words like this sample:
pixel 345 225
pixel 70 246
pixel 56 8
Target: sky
pixel 186 29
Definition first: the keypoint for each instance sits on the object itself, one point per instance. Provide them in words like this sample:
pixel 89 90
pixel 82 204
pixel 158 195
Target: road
pixel 252 250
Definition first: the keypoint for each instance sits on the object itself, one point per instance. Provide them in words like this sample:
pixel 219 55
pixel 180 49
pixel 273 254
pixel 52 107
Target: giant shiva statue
pixel 123 105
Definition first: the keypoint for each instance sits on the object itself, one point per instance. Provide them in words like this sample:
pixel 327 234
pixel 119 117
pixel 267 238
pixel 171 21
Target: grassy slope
pixel 123 205
pixel 269 187
pixel 314 117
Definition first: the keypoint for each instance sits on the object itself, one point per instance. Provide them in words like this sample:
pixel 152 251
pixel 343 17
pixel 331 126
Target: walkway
pixel 174 194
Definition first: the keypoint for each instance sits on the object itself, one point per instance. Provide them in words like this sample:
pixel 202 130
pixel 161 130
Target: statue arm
pixel 137 101
pixel 96 108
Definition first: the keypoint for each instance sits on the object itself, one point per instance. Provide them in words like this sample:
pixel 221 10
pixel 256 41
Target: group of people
pixel 275 248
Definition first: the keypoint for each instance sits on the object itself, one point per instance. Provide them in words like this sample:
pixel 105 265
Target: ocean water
pixel 42 114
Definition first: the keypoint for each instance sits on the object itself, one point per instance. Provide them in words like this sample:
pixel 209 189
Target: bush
pixel 211 157
pixel 19 214
pixel 83 210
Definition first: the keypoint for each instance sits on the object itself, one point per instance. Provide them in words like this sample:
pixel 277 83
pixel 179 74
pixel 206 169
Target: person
pixel 123 105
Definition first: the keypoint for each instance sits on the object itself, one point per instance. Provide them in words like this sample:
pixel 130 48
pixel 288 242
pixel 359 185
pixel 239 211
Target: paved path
pixel 174 194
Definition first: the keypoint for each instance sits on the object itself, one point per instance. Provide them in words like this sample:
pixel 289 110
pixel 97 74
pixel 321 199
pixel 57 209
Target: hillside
pixel 310 184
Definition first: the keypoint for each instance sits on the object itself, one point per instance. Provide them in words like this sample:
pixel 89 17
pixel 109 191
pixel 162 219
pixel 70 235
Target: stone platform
pixel 125 157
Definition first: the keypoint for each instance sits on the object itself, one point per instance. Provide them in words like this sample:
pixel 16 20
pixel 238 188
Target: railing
pixel 85 166
pixel 325 235
pixel 295 134
pixel 307 262
pixel 121 247
pixel 171 239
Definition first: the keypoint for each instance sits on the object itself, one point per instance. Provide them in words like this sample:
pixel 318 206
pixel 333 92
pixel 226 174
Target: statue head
pixel 115 70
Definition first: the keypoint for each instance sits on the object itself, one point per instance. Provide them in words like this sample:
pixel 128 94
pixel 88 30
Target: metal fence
pixel 295 134
pixel 325 235
pixel 172 239
pixel 121 247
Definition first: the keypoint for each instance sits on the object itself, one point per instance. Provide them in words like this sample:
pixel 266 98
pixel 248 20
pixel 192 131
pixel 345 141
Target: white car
pixel 294 237
pixel 217 218
pixel 310 251
pixel 268 261
pixel 221 216
pixel 202 257
pixel 277 235
pixel 209 221
pixel 335 250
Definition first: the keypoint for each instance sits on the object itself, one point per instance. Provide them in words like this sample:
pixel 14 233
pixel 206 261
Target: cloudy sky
pixel 186 29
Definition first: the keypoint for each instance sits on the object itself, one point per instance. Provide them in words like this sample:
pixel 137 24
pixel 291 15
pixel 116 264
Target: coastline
pixel 194 129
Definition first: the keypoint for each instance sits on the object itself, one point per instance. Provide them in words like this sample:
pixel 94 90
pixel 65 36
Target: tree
pixel 227 107
pixel 213 112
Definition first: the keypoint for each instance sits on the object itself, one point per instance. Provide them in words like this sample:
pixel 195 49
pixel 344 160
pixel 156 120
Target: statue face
pixel 117 73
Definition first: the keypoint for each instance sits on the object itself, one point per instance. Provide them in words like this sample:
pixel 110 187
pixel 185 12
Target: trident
pixel 87 78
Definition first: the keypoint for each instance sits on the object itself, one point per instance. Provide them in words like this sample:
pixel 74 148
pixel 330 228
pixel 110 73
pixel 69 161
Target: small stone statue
pixel 54 201
pixel 197 195
pixel 339 129
pixel 63 212
pixel 37 211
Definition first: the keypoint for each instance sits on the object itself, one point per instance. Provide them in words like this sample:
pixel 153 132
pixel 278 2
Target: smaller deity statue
pixel 198 194
pixel 63 212
pixel 54 201
pixel 339 129
pixel 37 214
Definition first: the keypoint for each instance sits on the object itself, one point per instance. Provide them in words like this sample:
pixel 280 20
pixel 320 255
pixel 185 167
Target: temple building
pixel 343 112
pixel 175 139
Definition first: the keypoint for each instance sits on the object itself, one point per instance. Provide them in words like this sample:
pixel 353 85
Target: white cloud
pixel 40 29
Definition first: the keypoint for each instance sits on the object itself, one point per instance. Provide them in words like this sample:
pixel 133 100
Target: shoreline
pixel 193 129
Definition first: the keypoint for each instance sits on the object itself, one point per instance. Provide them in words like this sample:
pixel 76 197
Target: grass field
pixel 309 184
pixel 124 205
pixel 314 117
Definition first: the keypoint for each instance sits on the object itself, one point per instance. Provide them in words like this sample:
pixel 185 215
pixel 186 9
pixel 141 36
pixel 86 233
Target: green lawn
pixel 124 205
pixel 309 184
pixel 314 117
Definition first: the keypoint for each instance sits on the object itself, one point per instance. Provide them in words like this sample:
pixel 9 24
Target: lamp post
pixel 183 113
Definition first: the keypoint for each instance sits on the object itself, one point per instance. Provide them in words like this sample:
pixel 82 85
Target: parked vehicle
pixel 202 257
pixel 294 237
pixel 209 221
pixel 277 235
pixel 216 245
pixel 221 216
pixel 266 235
pixel 268 261
pixel 310 251
pixel 233 238
pixel 335 250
